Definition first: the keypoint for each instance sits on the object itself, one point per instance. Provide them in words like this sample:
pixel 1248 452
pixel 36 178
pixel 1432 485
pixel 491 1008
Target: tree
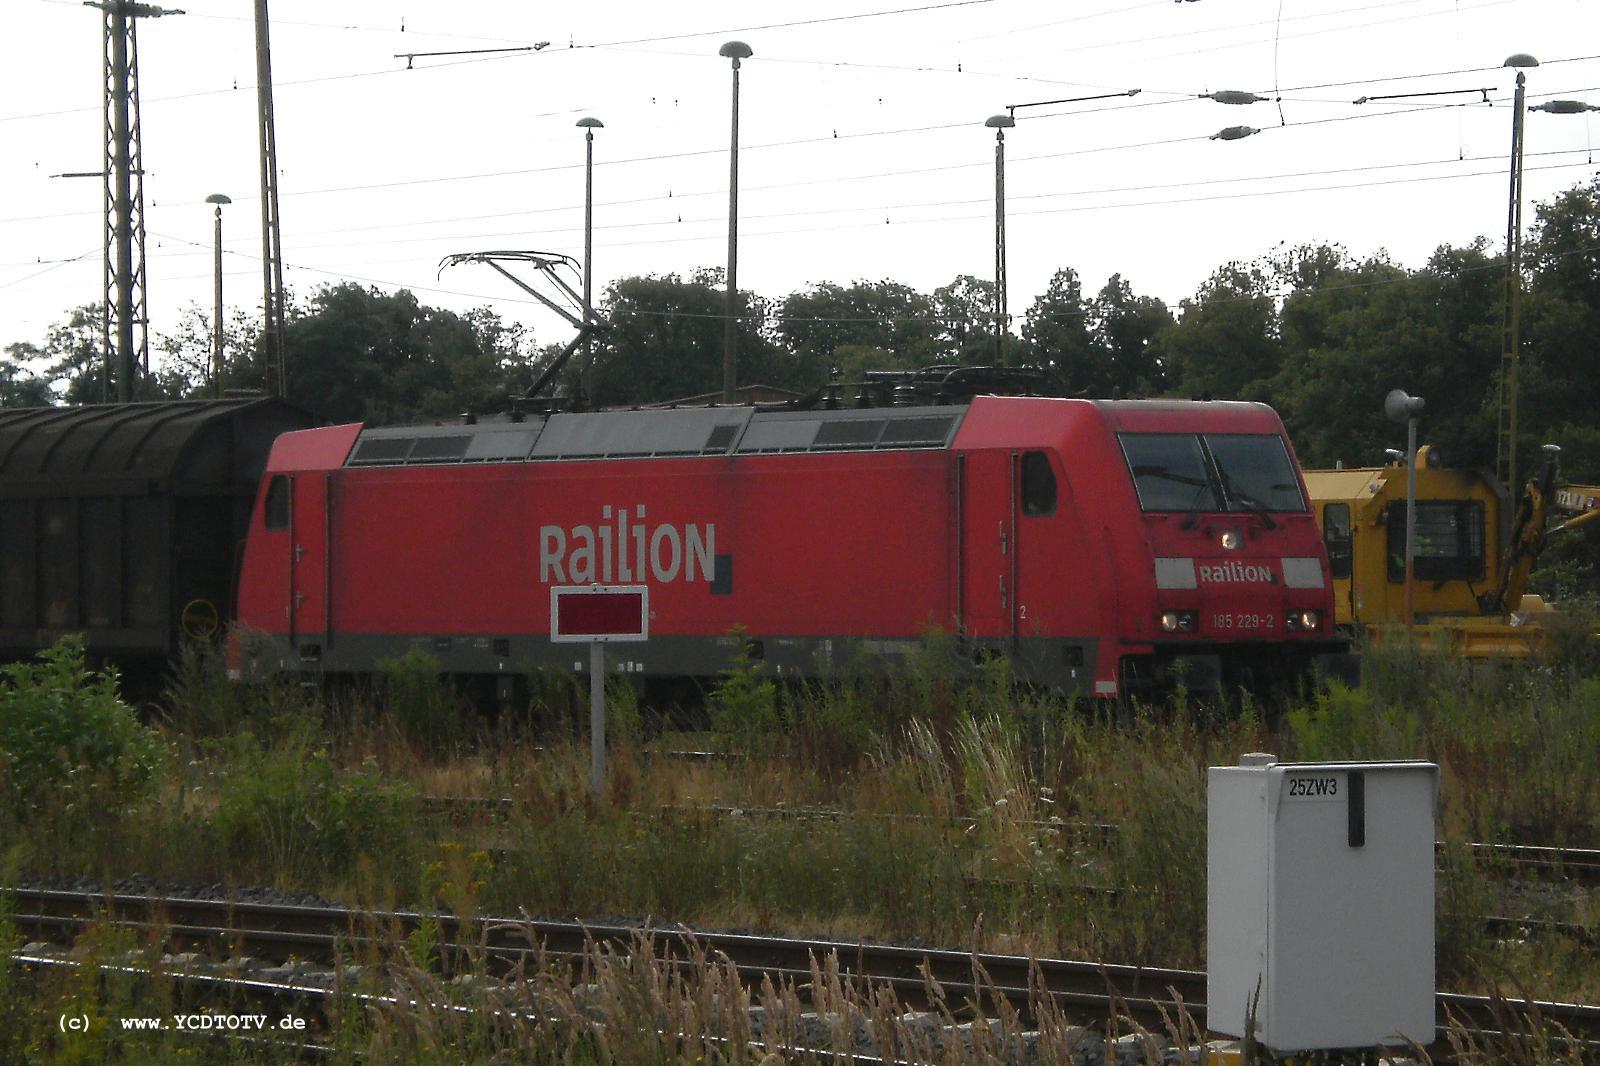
pixel 1123 328
pixel 1225 343
pixel 867 325
pixel 1354 331
pixel 20 386
pixel 665 341
pixel 1561 316
pixel 1056 328
pixel 77 360
pixel 965 312
pixel 186 352
pixel 359 354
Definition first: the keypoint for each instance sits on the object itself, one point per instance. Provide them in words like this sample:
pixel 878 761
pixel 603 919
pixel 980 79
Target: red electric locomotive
pixel 1106 547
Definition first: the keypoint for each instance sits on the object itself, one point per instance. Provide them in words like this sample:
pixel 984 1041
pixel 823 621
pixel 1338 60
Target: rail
pixel 1148 994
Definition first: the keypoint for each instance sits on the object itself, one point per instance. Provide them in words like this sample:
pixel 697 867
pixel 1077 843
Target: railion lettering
pixel 622 547
pixel 1234 572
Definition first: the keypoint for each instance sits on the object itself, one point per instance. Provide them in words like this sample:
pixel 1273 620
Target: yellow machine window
pixel 1449 543
pixel 1336 535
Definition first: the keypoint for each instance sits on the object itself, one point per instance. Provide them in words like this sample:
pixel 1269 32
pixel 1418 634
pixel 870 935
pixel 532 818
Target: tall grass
pixel 953 803
pixel 632 1004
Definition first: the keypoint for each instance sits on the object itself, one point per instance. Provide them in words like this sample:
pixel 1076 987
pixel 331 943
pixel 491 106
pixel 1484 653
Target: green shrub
pixel 744 705
pixel 624 719
pixel 203 702
pixel 421 702
pixel 289 813
pixel 62 725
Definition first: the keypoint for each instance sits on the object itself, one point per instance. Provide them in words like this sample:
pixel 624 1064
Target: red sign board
pixel 583 614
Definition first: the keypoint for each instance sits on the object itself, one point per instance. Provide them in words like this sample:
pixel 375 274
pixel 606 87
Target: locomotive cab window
pixel 1449 542
pixel 277 508
pixel 1336 535
pixel 1170 472
pixel 1255 471
pixel 1038 485
pixel 1187 472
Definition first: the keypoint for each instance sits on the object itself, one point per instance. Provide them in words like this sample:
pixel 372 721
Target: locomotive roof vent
pixel 659 433
pixel 869 429
pixel 480 443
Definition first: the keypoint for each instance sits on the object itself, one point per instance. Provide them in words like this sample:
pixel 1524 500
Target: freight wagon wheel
pixel 199 619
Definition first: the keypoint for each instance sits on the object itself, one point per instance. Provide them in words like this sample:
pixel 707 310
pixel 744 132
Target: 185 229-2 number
pixel 1230 620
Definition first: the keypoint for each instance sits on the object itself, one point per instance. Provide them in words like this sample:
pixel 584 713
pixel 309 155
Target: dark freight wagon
pixel 125 522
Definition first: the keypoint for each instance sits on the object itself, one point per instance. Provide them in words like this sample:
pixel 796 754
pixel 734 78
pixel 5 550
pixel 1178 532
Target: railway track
pixel 1578 865
pixel 283 934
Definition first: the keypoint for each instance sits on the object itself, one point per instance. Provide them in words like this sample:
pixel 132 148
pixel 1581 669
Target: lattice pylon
pixel 125 326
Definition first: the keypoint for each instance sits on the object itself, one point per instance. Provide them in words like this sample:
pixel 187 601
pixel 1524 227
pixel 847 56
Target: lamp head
pixel 589 122
pixel 1399 407
pixel 1520 59
pixel 218 198
pixel 735 50
pixel 1000 122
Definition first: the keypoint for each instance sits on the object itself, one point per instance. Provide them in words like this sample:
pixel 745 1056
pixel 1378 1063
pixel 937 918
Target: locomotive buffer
pixel 598 615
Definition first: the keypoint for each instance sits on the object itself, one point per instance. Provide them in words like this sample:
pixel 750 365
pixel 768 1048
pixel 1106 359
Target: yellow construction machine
pixel 1472 552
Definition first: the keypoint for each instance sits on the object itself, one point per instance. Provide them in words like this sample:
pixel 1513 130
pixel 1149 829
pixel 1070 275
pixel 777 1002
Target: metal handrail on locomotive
pixel 1107 547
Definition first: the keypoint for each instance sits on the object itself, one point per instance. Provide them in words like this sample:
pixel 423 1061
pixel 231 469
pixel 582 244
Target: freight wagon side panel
pixel 801 552
pixel 120 522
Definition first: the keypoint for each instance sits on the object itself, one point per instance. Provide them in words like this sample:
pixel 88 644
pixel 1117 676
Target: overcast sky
pixel 864 153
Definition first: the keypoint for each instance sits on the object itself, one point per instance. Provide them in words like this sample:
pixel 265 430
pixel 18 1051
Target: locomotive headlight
pixel 1231 540
pixel 1303 620
pixel 1180 621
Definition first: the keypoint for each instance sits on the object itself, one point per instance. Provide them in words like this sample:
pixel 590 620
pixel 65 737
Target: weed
pixel 421 703
pixel 65 731
pixel 743 705
pixel 290 815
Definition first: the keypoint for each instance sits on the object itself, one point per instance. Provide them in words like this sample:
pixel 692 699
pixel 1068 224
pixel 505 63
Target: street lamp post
pixel 1510 342
pixel 1000 123
pixel 588 125
pixel 734 50
pixel 1510 337
pixel 217 199
pixel 1400 407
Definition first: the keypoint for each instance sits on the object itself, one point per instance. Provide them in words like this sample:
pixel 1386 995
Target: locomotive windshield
pixel 1212 472
pixel 1170 472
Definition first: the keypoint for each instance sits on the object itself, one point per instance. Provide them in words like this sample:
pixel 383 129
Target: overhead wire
pixel 1254 180
pixel 389 71
pixel 885 209
pixel 57 265
pixel 1420 276
pixel 812 140
pixel 521 172
pixel 1075 209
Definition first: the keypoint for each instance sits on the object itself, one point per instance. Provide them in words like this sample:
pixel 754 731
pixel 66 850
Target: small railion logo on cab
pixel 1236 573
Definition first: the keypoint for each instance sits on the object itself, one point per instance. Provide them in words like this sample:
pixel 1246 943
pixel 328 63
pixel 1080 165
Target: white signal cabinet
pixel 1320 902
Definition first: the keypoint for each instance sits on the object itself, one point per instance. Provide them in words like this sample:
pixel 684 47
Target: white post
pixel 597 718
pixel 1411 518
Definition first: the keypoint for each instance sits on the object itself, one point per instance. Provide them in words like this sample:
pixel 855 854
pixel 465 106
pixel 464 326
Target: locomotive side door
pixel 988 544
pixel 308 565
